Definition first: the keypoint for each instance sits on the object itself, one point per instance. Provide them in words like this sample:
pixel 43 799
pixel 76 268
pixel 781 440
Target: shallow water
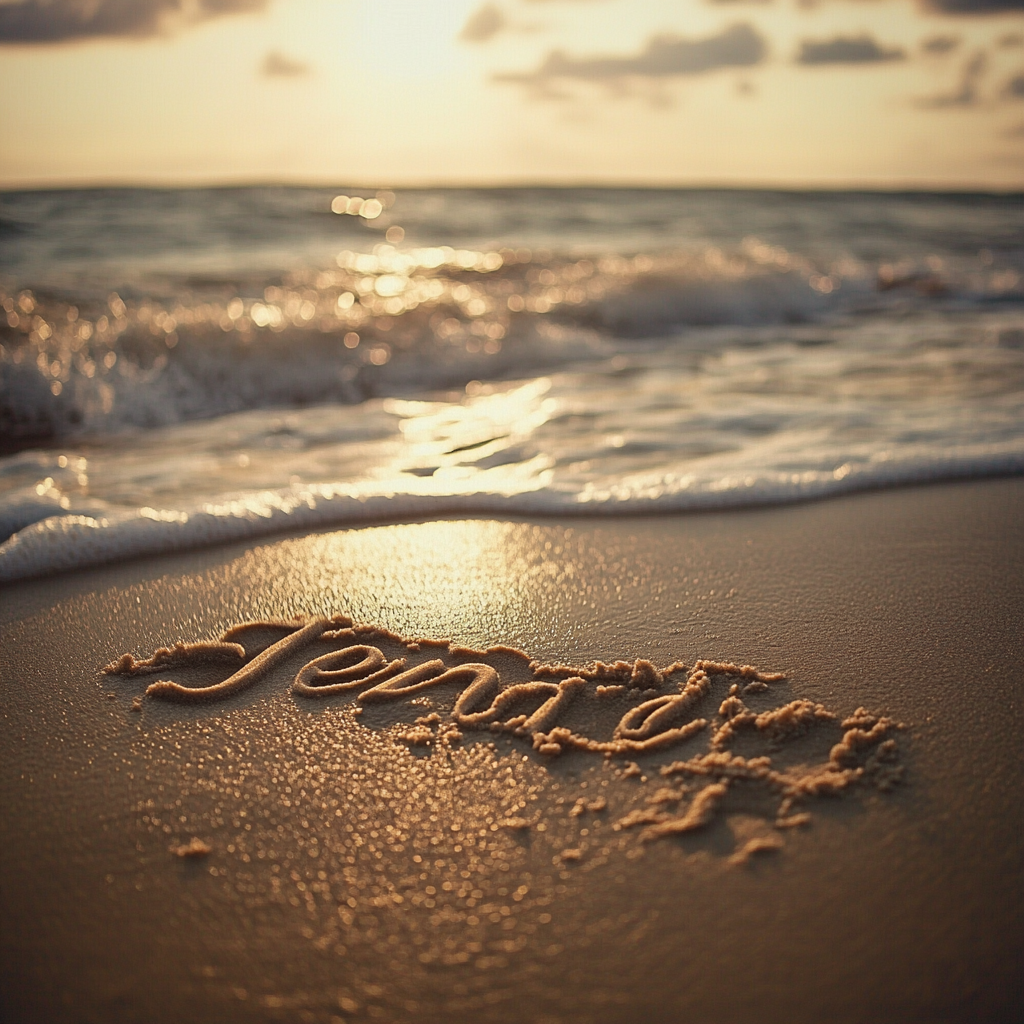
pixel 179 367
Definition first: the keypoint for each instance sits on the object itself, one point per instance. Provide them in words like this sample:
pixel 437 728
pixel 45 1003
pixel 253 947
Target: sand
pixel 270 854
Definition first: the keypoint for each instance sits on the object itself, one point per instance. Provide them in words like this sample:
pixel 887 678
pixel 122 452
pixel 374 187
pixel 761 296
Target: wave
pixel 394 320
pixel 186 367
pixel 70 540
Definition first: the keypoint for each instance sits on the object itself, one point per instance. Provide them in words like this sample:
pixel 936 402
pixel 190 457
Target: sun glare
pixel 408 39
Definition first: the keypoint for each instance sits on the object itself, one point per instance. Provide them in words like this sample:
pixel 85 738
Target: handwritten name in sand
pixel 783 753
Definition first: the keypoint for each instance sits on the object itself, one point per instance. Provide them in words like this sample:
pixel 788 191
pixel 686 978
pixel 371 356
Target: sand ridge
pixel 457 816
pixel 559 708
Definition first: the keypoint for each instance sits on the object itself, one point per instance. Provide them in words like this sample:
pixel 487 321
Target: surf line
pixel 661 720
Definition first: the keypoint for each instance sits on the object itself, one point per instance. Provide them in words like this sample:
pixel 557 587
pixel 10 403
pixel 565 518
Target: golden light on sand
pixel 436 585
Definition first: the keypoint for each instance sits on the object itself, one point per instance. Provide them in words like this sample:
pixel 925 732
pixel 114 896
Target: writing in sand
pixel 789 752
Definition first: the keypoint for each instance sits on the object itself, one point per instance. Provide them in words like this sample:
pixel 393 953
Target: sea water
pixel 179 367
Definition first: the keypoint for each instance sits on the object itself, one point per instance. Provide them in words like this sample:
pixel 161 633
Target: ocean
pixel 184 367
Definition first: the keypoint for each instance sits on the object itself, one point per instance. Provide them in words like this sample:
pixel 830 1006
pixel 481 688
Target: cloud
pixel 975 6
pixel 277 65
pixel 483 24
pixel 939 45
pixel 954 7
pixel 966 95
pixel 664 56
pixel 60 21
pixel 846 50
pixel 1014 88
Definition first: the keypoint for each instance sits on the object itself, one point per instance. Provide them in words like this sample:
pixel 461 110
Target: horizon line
pixel 525 184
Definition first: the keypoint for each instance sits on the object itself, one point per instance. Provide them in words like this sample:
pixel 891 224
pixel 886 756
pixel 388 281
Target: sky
pixel 392 93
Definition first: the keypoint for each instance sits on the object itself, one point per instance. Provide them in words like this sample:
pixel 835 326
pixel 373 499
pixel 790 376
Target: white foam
pixel 66 542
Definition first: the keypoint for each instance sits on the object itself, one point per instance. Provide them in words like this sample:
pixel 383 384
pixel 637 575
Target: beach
pixel 272 857
pixel 511 512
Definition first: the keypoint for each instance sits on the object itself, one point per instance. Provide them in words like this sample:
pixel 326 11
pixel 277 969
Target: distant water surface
pixel 183 366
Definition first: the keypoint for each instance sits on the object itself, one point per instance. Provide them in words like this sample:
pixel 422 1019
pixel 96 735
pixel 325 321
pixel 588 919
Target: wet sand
pixel 279 855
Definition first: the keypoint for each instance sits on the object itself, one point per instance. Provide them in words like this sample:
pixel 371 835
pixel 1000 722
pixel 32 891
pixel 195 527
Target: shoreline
pixel 90 543
pixel 902 904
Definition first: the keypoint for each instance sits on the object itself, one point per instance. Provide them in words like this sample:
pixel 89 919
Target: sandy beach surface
pixel 273 856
